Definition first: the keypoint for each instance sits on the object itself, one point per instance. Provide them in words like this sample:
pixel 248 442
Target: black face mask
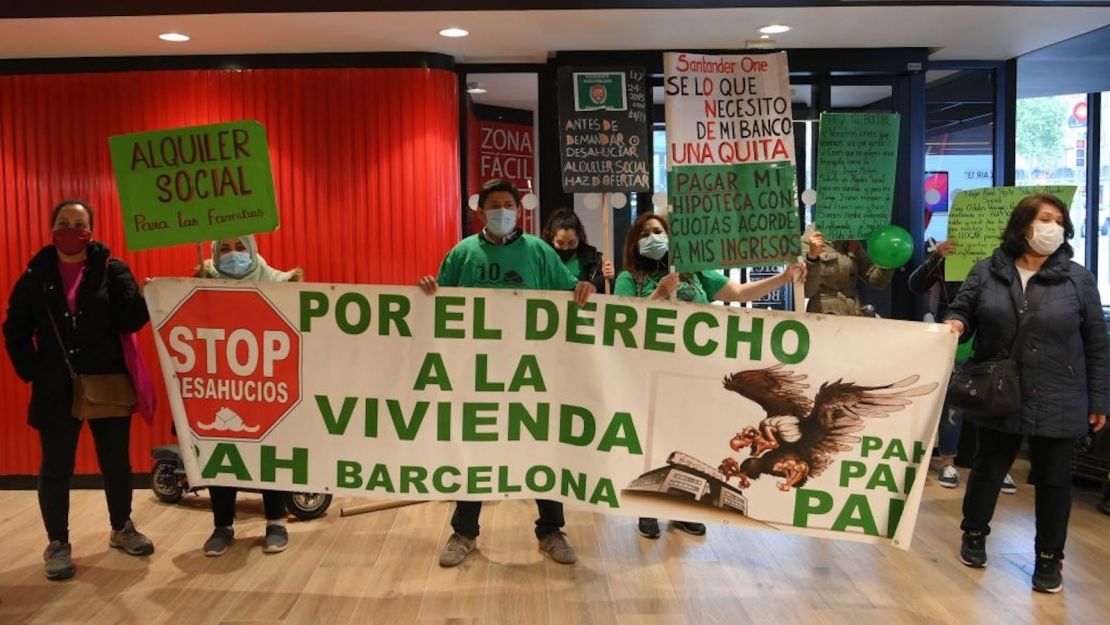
pixel 566 255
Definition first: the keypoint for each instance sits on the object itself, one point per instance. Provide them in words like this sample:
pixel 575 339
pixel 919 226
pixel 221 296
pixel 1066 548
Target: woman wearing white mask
pixel 237 258
pixel 1065 374
pixel 647 274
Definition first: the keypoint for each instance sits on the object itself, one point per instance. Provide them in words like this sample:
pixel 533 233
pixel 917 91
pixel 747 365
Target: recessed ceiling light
pixel 453 32
pixel 765 36
pixel 774 29
pixel 474 88
pixel 174 37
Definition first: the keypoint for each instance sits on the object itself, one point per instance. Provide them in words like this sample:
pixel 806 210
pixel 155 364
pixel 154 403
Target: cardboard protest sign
pixel 603 126
pixel 977 219
pixel 857 159
pixel 196 184
pixel 731 183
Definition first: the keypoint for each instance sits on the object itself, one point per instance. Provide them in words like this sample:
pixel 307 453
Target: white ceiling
pixel 955 32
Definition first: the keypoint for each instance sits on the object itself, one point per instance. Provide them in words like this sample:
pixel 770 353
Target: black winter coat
pixel 931 273
pixel 589 262
pixel 108 304
pixel 1065 365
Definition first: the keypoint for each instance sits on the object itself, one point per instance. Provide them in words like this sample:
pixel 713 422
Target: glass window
pixel 959 141
pixel 1052 149
pixel 1104 201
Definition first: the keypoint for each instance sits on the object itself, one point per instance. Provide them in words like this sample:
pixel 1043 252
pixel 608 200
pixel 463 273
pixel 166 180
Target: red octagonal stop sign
pixel 237 362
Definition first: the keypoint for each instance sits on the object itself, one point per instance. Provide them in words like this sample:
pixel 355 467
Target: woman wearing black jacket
pixel 92 299
pixel 565 233
pixel 1065 374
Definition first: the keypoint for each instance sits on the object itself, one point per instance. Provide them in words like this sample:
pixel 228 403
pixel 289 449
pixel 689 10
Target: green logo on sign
pixel 195 184
pixel 599 91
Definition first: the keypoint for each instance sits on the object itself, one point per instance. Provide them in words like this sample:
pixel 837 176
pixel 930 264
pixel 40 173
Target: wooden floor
pixel 381 568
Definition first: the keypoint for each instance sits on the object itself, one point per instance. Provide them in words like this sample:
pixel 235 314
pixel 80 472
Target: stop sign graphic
pixel 236 360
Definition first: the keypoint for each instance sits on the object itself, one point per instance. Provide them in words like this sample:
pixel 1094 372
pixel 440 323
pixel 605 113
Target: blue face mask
pixel 500 221
pixel 235 263
pixel 654 246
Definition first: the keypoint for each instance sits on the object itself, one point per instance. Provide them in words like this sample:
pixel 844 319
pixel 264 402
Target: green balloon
pixel 890 247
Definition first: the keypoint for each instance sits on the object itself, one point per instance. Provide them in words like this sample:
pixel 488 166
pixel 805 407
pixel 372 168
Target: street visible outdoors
pixel 1052 149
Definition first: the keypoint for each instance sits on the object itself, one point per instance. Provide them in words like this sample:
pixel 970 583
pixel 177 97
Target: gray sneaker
pixel 555 544
pixel 277 539
pixel 59 564
pixel 456 550
pixel 131 541
pixel 219 542
pixel 949 476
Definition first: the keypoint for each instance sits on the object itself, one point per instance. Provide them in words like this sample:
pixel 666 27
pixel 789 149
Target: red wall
pixel 365 169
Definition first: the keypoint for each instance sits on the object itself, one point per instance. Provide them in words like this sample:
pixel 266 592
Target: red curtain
pixel 365 169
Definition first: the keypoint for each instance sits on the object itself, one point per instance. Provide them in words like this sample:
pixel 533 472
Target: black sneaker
pixel 696 529
pixel 649 528
pixel 1104 507
pixel 219 542
pixel 973 549
pixel 1048 574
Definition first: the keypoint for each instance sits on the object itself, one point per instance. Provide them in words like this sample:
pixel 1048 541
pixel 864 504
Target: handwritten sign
pixel 603 121
pixel 732 215
pixel 195 184
pixel 726 110
pixel 857 159
pixel 977 219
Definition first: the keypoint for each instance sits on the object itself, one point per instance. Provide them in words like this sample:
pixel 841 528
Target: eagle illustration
pixel 798 437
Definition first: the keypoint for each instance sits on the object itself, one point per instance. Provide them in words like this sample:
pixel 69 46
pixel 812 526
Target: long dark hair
pixel 563 219
pixel 1013 237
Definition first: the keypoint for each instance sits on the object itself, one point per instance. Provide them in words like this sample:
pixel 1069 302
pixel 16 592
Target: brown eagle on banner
pixel 798 437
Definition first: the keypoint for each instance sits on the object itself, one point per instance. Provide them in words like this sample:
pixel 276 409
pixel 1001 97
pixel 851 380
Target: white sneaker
pixel 949 476
pixel 1008 485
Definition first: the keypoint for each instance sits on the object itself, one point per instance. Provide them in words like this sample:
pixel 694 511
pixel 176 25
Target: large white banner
pixel 694 412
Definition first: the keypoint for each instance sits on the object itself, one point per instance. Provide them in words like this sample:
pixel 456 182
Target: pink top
pixel 71 279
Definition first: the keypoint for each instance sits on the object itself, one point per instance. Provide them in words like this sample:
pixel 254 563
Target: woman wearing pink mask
pixel 75 286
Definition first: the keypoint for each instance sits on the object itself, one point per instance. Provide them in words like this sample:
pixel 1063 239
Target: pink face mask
pixel 71 241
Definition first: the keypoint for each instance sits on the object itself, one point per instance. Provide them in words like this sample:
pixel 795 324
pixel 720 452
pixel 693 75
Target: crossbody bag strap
pixel 1023 325
pixel 61 343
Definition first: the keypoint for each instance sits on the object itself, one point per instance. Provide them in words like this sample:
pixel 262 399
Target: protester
pixel 647 274
pixel 1065 374
pixel 565 233
pixel 66 315
pixel 835 269
pixel 237 258
pixel 503 257
pixel 929 279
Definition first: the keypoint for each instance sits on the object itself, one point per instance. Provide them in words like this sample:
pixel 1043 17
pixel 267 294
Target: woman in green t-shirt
pixel 647 274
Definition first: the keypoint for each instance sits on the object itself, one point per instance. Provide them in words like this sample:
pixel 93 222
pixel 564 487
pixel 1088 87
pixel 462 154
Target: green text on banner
pixel 387 392
pixel 732 215
pixel 977 219
pixel 857 159
pixel 195 184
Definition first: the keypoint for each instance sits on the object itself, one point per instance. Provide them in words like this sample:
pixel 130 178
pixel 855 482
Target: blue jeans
pixel 948 432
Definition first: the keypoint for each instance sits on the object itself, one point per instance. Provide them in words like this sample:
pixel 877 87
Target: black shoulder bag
pixel 992 389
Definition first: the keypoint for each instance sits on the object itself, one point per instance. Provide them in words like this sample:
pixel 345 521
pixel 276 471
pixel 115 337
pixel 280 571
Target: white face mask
pixel 1047 238
pixel 654 246
pixel 500 221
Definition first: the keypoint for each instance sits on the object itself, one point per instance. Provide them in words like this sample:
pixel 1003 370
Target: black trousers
pixel 465 519
pixel 223 505
pixel 59 454
pixel 1050 459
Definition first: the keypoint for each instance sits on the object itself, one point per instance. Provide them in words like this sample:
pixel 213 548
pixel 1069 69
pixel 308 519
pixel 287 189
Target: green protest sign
pixel 600 91
pixel 189 185
pixel 977 219
pixel 732 215
pixel 856 162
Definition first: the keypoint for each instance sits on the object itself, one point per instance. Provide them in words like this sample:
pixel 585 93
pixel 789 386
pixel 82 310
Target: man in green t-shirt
pixel 503 257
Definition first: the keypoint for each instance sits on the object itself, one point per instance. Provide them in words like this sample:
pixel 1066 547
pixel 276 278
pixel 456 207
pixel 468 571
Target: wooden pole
pixel 374 506
pixel 606 235
pixel 200 256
